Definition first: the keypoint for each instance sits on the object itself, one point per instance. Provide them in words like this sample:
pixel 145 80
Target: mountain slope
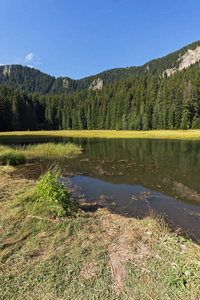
pixel 31 80
pixel 134 103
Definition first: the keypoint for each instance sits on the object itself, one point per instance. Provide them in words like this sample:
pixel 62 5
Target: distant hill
pixel 31 80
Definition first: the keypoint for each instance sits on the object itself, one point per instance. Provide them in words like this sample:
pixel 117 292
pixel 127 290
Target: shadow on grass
pixel 90 207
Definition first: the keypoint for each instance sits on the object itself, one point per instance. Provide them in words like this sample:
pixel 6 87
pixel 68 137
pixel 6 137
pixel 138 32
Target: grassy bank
pixel 16 156
pixel 9 156
pixel 153 134
pixel 93 255
pixel 59 149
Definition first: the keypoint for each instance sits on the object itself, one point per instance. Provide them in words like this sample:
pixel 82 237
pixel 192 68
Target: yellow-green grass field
pixel 92 254
pixel 152 134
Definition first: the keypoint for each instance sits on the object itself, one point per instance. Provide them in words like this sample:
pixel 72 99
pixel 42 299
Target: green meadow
pixel 153 134
pixel 54 248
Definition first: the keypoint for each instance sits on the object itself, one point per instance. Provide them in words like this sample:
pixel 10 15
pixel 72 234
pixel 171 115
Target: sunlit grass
pixel 15 156
pixel 153 134
pixel 96 255
pixel 11 157
pixel 59 149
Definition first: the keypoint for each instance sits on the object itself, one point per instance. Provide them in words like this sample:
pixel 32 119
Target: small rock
pixel 183 247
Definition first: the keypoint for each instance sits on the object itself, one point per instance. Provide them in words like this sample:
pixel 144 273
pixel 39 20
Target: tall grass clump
pixel 10 156
pixel 51 198
pixel 54 149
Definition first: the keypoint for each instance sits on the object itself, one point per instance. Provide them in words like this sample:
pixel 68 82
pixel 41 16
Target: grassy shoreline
pixel 95 255
pixel 18 155
pixel 52 149
pixel 152 134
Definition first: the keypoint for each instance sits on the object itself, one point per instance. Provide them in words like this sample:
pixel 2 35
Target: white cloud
pixel 31 60
pixel 2 65
pixel 29 57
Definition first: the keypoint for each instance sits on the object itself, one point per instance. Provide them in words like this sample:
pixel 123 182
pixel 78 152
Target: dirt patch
pixel 88 271
pixel 141 251
pixel 118 271
pixel 38 256
pixel 123 239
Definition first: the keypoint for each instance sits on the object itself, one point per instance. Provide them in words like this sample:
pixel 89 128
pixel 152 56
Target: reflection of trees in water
pixel 155 164
pixel 143 150
pixel 178 160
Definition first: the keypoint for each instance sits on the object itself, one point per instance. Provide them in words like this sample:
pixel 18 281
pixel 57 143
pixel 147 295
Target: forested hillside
pixel 137 102
pixel 31 80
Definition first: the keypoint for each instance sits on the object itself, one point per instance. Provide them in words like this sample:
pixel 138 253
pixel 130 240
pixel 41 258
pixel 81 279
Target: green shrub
pixel 53 195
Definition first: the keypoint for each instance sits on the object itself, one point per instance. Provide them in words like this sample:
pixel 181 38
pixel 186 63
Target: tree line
pixel 134 103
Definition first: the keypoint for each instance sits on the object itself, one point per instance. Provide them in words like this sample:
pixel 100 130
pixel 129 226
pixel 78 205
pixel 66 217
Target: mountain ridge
pixel 32 80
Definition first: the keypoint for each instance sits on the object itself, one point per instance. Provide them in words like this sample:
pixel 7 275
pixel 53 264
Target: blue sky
pixel 79 38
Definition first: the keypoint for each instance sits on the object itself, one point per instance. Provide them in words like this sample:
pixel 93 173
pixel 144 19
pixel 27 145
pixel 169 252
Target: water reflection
pixel 135 200
pixel 166 170
pixel 121 168
pixel 171 167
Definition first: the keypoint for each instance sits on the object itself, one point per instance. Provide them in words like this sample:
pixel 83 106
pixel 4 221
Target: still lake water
pixel 140 175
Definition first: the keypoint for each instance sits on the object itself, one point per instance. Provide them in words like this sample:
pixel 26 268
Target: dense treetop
pixel 133 103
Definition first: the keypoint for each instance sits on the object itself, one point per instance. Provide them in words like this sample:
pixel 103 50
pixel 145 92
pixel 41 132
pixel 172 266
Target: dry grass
pixel 97 255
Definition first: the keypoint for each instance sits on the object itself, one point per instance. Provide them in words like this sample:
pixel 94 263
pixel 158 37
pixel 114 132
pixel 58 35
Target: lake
pixel 137 177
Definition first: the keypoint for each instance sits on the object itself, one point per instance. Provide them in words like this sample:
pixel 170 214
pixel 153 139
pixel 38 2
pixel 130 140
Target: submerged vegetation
pixel 88 255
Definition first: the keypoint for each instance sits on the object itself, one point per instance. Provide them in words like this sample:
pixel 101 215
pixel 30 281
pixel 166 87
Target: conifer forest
pixel 135 103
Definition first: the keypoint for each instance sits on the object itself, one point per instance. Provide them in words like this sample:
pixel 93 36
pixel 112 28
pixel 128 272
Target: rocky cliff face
pixel 97 84
pixel 189 58
pixel 7 70
pixel 65 83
